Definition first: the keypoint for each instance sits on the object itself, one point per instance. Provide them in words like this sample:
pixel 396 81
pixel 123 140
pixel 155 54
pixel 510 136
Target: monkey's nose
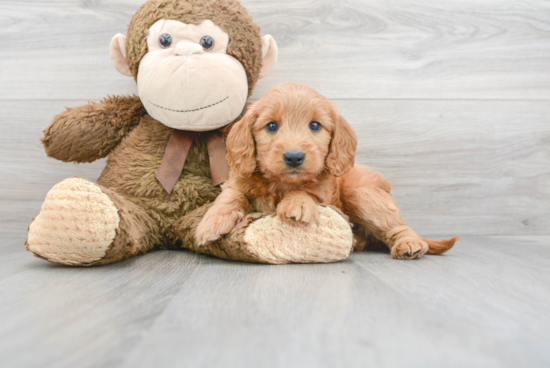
pixel 187 48
pixel 294 158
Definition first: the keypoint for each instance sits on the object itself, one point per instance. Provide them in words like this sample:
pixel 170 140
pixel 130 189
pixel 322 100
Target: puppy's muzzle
pixel 294 158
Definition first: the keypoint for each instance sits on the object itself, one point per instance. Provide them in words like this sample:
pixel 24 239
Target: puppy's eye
pixel 165 40
pixel 207 42
pixel 314 126
pixel 272 127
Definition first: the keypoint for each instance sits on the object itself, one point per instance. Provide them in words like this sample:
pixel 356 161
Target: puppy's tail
pixel 440 246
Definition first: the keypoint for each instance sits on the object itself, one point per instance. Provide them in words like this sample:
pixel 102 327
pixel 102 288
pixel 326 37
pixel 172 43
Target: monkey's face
pixel 187 80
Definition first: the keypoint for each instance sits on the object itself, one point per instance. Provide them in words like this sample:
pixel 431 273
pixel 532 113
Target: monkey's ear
pixel 269 55
pixel 118 54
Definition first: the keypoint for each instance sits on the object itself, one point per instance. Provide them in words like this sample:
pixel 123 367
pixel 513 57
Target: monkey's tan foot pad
pixel 76 225
pixel 330 239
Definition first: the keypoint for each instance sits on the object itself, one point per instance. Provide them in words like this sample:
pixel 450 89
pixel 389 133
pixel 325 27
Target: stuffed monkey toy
pixel 195 63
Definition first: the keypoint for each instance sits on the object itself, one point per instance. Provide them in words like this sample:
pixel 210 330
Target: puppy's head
pixel 292 135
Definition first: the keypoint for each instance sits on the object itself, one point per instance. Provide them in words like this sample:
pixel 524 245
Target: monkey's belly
pixel 131 169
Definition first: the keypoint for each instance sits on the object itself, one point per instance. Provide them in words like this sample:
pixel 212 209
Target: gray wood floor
pixel 485 304
pixel 451 102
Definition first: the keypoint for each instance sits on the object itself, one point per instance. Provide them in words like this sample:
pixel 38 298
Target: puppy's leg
pixel 367 200
pixel 298 206
pixel 229 208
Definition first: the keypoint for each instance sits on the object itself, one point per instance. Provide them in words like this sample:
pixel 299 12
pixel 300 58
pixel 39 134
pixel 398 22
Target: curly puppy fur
pixel 263 179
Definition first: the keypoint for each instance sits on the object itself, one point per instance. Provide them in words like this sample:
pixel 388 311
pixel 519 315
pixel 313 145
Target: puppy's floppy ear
pixel 341 156
pixel 241 148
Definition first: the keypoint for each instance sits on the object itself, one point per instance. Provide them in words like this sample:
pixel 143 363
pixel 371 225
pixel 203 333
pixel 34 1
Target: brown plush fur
pixel 90 132
pixel 260 179
pixel 145 209
pixel 134 142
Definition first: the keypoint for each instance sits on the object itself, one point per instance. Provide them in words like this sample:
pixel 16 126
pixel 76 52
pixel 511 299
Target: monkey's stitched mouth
pixel 200 108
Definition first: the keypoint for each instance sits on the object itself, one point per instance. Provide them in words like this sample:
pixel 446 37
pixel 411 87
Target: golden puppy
pixel 293 150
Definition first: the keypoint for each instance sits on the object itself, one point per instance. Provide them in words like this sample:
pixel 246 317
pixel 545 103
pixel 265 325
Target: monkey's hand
pixel 90 132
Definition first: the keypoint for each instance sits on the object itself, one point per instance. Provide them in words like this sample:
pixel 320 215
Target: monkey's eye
pixel 314 126
pixel 207 43
pixel 165 40
pixel 272 127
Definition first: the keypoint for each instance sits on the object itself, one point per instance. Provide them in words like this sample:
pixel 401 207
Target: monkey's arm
pixel 90 132
pixel 264 238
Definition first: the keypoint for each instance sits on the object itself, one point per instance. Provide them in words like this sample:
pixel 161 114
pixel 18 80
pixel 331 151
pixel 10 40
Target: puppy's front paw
pixel 218 221
pixel 409 248
pixel 298 210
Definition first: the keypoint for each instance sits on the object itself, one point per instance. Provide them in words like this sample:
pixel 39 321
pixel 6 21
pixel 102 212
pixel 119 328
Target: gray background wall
pixel 450 99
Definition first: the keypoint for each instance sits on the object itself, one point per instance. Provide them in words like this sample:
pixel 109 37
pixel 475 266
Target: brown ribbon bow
pixel 176 152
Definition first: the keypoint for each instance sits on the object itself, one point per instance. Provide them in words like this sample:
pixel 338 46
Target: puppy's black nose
pixel 294 158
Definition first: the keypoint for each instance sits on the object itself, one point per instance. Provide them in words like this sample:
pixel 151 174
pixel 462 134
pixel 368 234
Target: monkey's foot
pixel 76 225
pixel 329 239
